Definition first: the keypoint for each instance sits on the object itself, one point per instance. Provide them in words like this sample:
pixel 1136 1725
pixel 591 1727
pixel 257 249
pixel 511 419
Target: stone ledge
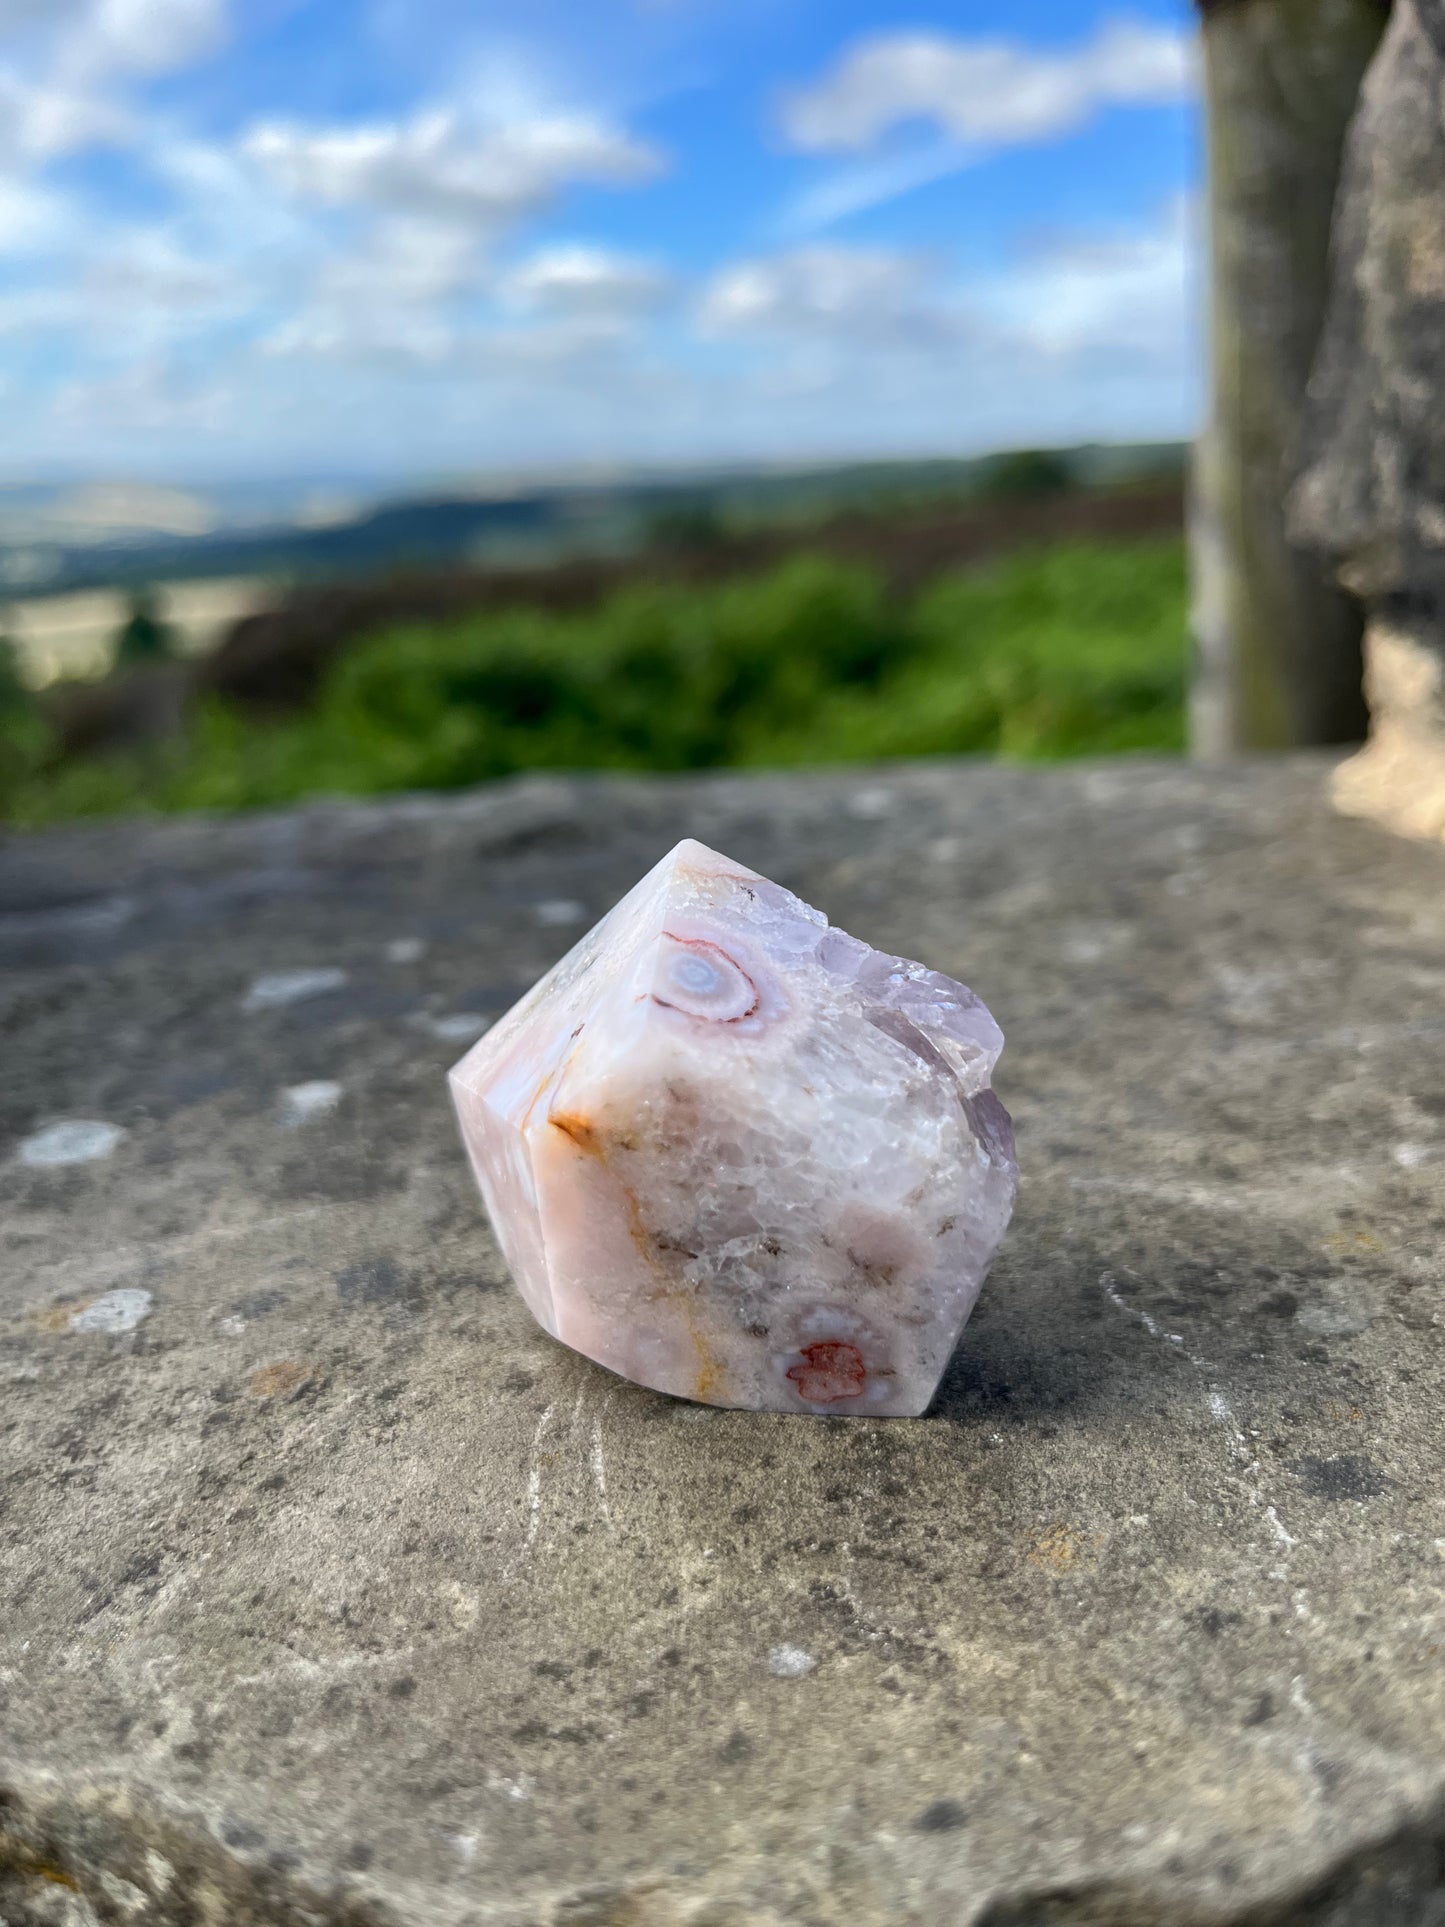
pixel 332 1591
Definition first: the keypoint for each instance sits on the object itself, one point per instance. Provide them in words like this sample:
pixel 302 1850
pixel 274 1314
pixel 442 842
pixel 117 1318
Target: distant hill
pixel 545 523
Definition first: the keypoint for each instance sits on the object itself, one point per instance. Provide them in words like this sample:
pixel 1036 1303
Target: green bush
pixel 1077 650
pixel 1068 651
pixel 23 736
pixel 144 637
pixel 1026 474
pixel 662 678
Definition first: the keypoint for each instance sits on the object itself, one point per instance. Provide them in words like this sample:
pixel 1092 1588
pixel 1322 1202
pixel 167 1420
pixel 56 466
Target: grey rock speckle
pixel 335 1593
pixel 275 988
pixel 114 1312
pixel 73 1141
pixel 1347 1475
pixel 300 1103
pixel 790 1662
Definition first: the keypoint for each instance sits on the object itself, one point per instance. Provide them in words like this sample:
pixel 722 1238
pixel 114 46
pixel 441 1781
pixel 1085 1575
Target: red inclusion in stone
pixel 830 1371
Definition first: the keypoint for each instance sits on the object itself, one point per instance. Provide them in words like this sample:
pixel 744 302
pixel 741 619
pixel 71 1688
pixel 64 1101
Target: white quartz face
pixel 738 1156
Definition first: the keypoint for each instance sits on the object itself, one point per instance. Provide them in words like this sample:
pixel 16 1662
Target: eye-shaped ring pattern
pixel 700 979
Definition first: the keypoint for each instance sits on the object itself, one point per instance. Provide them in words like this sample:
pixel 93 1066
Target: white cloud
pixel 869 183
pixel 574 278
pixel 435 164
pixel 408 213
pixel 810 350
pixel 143 290
pixel 393 294
pixel 33 219
pixel 69 95
pixel 844 315
pixel 228 205
pixel 986 93
pixel 1126 294
pixel 427 293
pixel 378 294
pixel 555 351
pixel 859 295
pixel 150 396
pixel 406 263
pixel 131 294
pixel 145 36
pixel 31 311
pixel 41 121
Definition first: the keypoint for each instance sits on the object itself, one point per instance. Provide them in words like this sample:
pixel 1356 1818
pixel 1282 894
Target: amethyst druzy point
pixel 736 1155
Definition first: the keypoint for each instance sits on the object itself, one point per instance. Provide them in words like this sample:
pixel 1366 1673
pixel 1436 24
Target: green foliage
pixel 1026 474
pixel 144 637
pixel 24 738
pixel 1068 651
pixel 1076 650
pixel 686 525
pixel 15 697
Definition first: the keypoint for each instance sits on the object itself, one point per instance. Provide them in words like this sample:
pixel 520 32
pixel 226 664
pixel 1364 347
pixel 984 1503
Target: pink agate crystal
pixel 738 1156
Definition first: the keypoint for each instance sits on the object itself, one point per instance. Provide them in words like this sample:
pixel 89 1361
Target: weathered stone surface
pixel 1371 492
pixel 1372 481
pixel 332 1590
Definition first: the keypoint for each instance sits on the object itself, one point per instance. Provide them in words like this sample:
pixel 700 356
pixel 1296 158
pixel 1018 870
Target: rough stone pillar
pixel 1278 643
pixel 1371 492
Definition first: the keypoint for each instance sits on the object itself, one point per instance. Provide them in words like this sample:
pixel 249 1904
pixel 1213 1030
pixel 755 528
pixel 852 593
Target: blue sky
pixel 247 238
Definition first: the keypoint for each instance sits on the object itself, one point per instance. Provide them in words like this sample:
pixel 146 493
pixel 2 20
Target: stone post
pixel 1371 493
pixel 1277 642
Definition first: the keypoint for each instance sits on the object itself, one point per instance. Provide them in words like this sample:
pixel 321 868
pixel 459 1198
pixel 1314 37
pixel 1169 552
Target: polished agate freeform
pixel 736 1155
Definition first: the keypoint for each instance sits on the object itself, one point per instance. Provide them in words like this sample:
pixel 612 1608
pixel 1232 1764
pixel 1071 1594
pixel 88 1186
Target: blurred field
pixel 1066 648
pixel 63 636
